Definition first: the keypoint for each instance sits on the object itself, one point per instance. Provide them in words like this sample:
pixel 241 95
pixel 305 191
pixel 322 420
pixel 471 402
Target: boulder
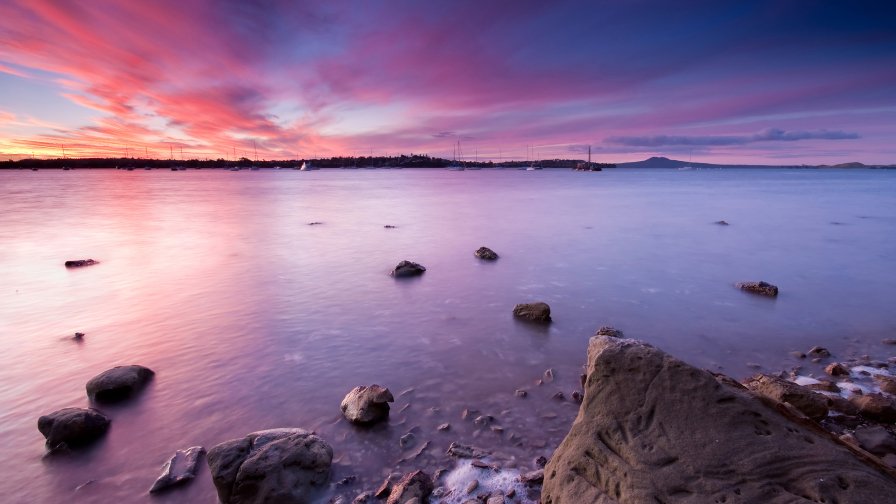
pixel 876 439
pixel 367 405
pixel 407 269
pixel 485 253
pixel 534 312
pixel 414 485
pixel 73 426
pixel 80 263
pixel 118 383
pixel 179 469
pixel 877 407
pixel 836 369
pixel 887 383
pixel 761 288
pixel 812 404
pixel 655 429
pixel 279 465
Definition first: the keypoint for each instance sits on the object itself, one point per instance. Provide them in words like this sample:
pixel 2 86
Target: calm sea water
pixel 254 319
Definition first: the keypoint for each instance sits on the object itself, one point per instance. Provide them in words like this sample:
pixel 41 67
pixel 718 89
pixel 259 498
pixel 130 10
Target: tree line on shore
pixel 402 161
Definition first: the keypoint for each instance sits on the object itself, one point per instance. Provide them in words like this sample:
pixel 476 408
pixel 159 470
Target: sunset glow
pixel 757 82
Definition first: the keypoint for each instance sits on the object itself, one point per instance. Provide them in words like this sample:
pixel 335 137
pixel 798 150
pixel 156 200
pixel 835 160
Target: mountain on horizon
pixel 664 162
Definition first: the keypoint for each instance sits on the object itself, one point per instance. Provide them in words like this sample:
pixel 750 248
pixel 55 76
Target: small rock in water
pixel 467 413
pixel 609 331
pixel 887 383
pixel 541 461
pixel 348 480
pixel 484 420
pixel 390 226
pixel 495 498
pixel 315 223
pixel 818 351
pixel 458 450
pixel 798 354
pixel 761 288
pixel 79 263
pixel 577 396
pixel 443 427
pixel 72 426
pixel 559 396
pixel 877 407
pixel 179 469
pixel 889 341
pixel 721 223
pixel 472 487
pixel 414 485
pixel 118 383
pixel 406 269
pixel 520 393
pixel 548 375
pixel 407 440
pixel 533 477
pixel 836 369
pixel 384 489
pixel 485 253
pixel 533 312
pixel 364 498
pixel 367 404
pixel 78 336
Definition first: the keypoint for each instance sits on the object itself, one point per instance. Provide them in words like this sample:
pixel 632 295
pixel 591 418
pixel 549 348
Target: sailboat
pixel 455 164
pixel 688 166
pixel 307 166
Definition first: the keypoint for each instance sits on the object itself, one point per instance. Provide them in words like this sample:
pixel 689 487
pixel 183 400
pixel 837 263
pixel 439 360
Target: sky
pixel 751 82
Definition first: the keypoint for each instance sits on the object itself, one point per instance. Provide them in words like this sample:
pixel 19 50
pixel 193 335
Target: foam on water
pixel 458 479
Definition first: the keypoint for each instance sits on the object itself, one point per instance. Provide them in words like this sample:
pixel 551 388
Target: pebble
pixel 520 393
pixel 472 486
pixel 548 375
pixel 443 427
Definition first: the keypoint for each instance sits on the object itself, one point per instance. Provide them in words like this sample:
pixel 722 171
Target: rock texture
pixel 118 383
pixel 534 312
pixel 72 426
pixel 654 429
pixel 414 485
pixel 761 288
pixel 406 269
pixel 79 263
pixel 179 469
pixel 279 465
pixel 485 253
pixel 367 405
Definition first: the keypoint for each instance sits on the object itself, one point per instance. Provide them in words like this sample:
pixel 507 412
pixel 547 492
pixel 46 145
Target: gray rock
pixel 811 404
pixel 73 426
pixel 118 383
pixel 279 465
pixel 458 450
pixel 485 253
pixel 532 477
pixel 818 351
pixel 836 369
pixel 414 485
pixel 80 263
pixel 367 405
pixel 653 422
pixel 533 312
pixel 761 288
pixel 179 469
pixel 407 269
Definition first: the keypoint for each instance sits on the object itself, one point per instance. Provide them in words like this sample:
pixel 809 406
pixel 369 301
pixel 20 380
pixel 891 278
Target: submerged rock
pixel 414 485
pixel 535 312
pixel 80 263
pixel 721 223
pixel 655 429
pixel 366 405
pixel 73 426
pixel 407 269
pixel 179 469
pixel 118 383
pixel 761 288
pixel 279 465
pixel 485 253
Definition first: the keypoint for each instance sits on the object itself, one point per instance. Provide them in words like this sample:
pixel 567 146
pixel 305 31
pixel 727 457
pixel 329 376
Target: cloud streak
pixel 768 135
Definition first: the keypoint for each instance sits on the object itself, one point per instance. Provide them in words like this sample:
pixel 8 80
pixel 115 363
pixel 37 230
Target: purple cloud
pixel 768 135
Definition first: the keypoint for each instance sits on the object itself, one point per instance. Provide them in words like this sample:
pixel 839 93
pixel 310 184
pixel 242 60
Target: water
pixel 254 319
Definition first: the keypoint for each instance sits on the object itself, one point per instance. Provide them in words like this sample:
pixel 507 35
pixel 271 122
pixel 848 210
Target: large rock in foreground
pixel 118 383
pixel 533 312
pixel 280 465
pixel 72 426
pixel 654 429
pixel 367 405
